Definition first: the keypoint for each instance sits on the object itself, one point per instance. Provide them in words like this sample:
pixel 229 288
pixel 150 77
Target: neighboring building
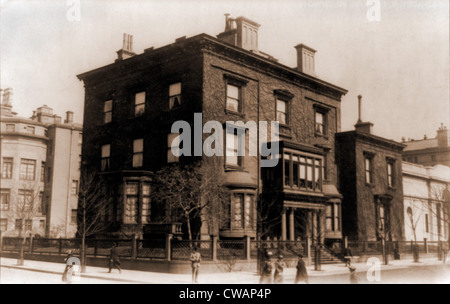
pixel 370 179
pixel 426 193
pixel 130 106
pixel 39 163
pixel 429 151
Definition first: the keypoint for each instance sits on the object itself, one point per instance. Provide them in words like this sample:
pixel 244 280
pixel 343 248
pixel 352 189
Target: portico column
pixel 291 225
pixel 283 225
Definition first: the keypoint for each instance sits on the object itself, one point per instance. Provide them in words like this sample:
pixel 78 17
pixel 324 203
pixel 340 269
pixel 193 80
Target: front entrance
pixel 302 223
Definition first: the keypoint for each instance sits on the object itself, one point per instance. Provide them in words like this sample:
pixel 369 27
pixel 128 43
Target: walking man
pixel 114 259
pixel 196 258
pixel 279 267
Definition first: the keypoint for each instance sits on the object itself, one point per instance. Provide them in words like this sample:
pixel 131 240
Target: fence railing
pixel 210 250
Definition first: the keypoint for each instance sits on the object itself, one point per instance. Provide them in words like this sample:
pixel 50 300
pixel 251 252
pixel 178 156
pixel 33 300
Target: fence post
pixel 214 247
pixel 60 246
pixel 31 244
pixel 247 248
pixel 168 247
pixel 425 241
pixel 134 246
pixel 308 247
pixel 384 252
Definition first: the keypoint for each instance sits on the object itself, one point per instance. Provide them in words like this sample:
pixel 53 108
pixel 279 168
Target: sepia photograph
pixel 225 150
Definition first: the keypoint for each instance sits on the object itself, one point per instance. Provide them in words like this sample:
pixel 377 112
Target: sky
pixel 398 60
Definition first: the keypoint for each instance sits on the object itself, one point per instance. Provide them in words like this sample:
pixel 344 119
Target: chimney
pixel 305 59
pixel 442 136
pixel 69 117
pixel 127 48
pixel 7 96
pixel 363 127
pixel 57 119
pixel 241 32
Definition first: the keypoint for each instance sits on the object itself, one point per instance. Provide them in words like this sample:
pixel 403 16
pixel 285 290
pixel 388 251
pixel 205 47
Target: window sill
pixel 229 168
pixel 370 185
pixel 230 112
pixel 320 135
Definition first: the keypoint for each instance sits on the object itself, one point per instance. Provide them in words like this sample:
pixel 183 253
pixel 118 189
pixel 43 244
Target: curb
pixel 88 276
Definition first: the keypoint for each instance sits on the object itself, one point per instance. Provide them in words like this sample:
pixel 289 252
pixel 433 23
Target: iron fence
pixel 182 249
pixel 151 249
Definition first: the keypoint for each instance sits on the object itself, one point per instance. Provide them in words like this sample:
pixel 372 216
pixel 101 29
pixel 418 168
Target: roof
pixel 206 37
pixel 421 144
pixel 437 172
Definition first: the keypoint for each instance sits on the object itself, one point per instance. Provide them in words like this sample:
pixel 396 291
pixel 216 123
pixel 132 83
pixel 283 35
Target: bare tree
pixel 440 208
pixel 187 191
pixel 27 204
pixel 414 214
pixel 93 201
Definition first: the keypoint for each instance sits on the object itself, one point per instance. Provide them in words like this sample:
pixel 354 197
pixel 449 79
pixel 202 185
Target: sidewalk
pixel 142 277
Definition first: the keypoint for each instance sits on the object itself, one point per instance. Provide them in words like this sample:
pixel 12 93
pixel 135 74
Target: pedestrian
pixel 445 251
pixel 302 273
pixel 266 273
pixel 196 258
pixel 114 259
pixel 353 275
pixel 348 255
pixel 279 267
pixel 68 266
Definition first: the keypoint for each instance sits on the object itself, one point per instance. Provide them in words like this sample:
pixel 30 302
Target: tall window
pixel 233 145
pixel 439 219
pixel 74 216
pixel 173 140
pixel 234 98
pixel 26 200
pixel 174 95
pixel 7 168
pixel 282 112
pixel 427 223
pixel 146 206
pixel 390 173
pixel 382 218
pixel 131 204
pixel 106 155
pixel 320 122
pixel 139 104
pixel 27 169
pixel 107 111
pixel 333 217
pixel 303 172
pixel 74 190
pixel 42 171
pixel 18 224
pixel 40 202
pixel 41 225
pixel 368 169
pixel 242 211
pixel 3 224
pixel 28 225
pixel 5 197
pixel 138 152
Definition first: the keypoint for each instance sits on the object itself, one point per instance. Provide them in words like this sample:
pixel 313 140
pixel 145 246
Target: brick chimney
pixel 241 32
pixel 305 59
pixel 442 136
pixel 360 126
pixel 69 117
pixel 127 49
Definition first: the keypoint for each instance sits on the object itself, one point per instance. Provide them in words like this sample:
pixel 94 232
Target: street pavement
pixel 403 271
